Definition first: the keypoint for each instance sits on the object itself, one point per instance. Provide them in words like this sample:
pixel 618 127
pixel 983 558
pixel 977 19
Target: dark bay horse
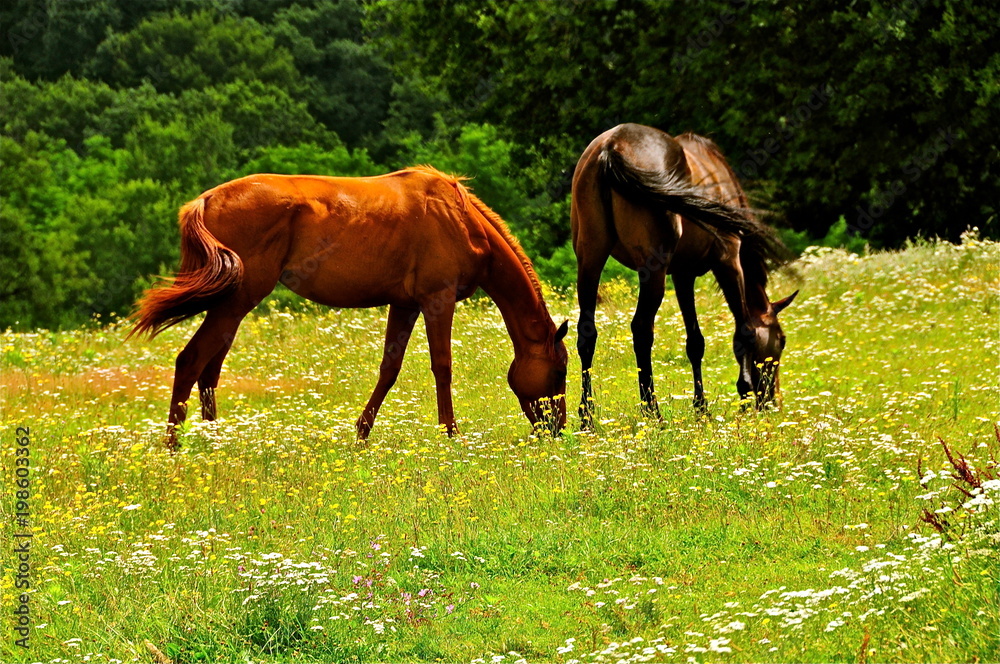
pixel 417 240
pixel 662 205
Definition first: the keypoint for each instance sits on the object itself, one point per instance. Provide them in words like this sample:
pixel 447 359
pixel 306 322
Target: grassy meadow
pixel 788 535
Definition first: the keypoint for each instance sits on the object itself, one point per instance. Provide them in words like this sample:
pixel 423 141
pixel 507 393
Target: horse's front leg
pixel 439 312
pixel 650 297
pixel 730 278
pixel 587 283
pixel 398 329
pixel 695 342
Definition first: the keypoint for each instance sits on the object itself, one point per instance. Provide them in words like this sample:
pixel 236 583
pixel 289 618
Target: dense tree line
pixel 872 122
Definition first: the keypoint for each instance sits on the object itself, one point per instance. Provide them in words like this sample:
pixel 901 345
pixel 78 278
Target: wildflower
pixel 734 626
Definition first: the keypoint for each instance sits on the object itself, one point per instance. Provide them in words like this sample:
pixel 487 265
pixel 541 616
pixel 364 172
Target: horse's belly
pixel 353 281
pixel 345 281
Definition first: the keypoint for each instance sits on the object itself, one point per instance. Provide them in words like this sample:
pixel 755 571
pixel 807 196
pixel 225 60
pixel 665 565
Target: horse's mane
pixel 761 251
pixel 709 146
pixel 501 227
pixel 468 198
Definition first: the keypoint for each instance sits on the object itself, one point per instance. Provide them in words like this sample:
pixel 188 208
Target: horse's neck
pixel 514 292
pixel 756 299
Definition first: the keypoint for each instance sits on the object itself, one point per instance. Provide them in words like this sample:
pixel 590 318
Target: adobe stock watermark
pixel 27 30
pixel 913 168
pixel 749 165
pixel 21 549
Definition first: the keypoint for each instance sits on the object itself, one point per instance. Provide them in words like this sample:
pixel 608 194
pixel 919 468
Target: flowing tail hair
pixel 668 189
pixel 209 272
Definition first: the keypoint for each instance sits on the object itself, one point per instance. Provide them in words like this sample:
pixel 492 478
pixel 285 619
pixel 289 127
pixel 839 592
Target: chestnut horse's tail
pixel 669 190
pixel 209 272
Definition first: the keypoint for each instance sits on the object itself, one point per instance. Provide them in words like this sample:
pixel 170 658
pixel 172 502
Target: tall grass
pixel 791 535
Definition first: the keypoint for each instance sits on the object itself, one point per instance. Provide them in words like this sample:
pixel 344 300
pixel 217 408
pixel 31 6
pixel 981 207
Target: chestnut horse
pixel 661 205
pixel 417 240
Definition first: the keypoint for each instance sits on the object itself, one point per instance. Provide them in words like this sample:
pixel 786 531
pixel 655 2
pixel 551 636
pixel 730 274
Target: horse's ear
pixel 562 331
pixel 781 304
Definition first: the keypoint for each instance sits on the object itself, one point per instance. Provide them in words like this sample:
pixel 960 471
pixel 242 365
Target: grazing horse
pixel 417 240
pixel 661 205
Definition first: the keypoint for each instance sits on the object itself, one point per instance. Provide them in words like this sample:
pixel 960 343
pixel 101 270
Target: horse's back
pixel 401 190
pixel 403 204
pixel 351 242
pixel 604 221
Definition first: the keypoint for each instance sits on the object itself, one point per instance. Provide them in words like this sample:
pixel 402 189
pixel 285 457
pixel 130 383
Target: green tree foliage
pixel 311 158
pixel 44 263
pixel 260 114
pixel 347 82
pixel 48 39
pixel 179 52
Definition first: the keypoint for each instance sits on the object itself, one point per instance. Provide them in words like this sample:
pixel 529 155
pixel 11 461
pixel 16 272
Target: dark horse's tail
pixel 209 272
pixel 668 189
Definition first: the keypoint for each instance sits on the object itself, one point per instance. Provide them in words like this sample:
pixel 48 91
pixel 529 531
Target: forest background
pixel 856 124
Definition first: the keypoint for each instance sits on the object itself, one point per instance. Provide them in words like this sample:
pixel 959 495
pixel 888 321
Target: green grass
pixel 790 535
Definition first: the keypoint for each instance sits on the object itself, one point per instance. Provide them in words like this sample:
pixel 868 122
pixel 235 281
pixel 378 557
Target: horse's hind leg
pixel 730 278
pixel 215 333
pixel 593 238
pixel 695 344
pixel 209 380
pixel 650 297
pixel 397 334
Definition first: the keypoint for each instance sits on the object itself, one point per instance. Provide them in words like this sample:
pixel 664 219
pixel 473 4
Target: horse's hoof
pixel 701 408
pixel 651 410
pixel 171 443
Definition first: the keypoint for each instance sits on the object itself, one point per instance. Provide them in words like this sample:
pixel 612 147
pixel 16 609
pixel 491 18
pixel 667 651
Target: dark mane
pixel 761 251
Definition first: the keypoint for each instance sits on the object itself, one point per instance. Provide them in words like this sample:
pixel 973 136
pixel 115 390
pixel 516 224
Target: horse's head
pixel 762 360
pixel 538 379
